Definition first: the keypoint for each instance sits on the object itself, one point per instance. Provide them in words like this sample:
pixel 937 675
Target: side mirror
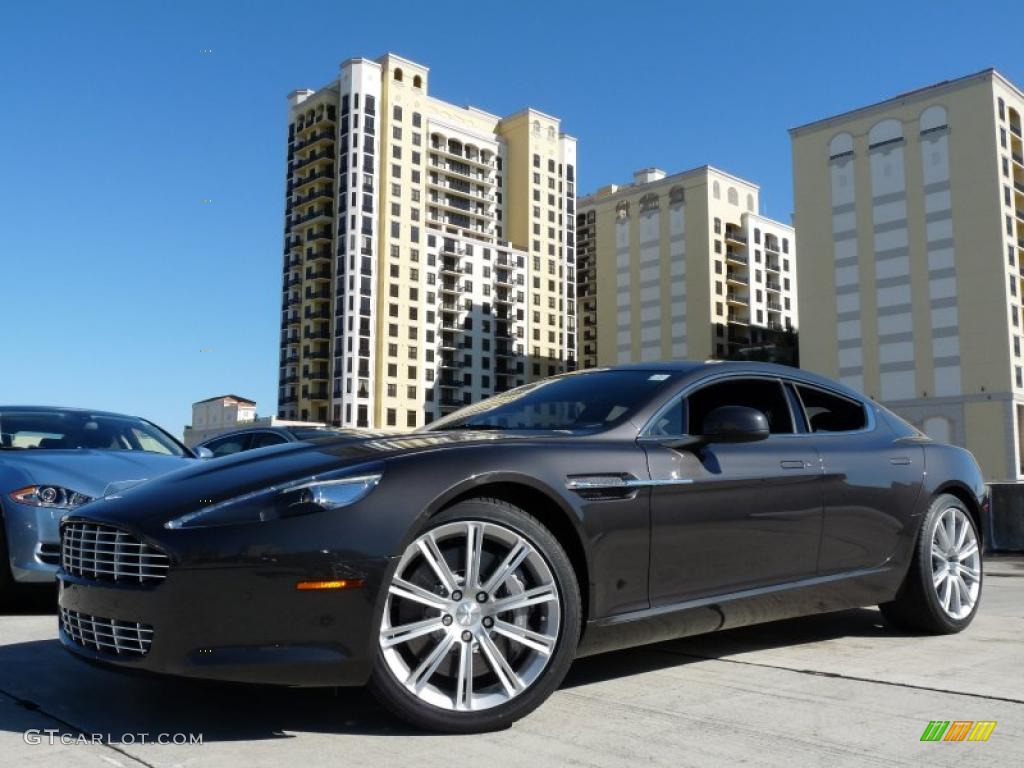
pixel 202 452
pixel 735 424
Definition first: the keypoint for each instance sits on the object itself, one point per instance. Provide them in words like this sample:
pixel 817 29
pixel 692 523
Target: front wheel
pixel 480 623
pixel 943 585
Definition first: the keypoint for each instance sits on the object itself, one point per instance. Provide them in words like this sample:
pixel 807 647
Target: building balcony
pixel 319 394
pixel 321 295
pixel 771 285
pixel 318 354
pixel 320 314
pixel 317 374
pixel 462 156
pixel 300 183
pixel 287 399
pixel 502 297
pixel 450 307
pixel 314 160
pixel 735 235
pixel 290 379
pixel 316 335
pixel 735 256
pixel 315 138
pixel 734 297
pixel 774 306
pixel 771 265
pixel 318 236
pixel 321 213
pixel 322 193
pixel 318 274
pixel 323 118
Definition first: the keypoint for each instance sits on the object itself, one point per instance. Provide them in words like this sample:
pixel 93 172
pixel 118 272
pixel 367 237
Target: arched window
pixel 417 81
pixel 716 191
pixel 676 195
pixel 750 203
pixel 840 146
pixel 622 209
pixel 649 202
pixel 933 118
pixel 885 131
pixel 734 196
pixel 536 127
pixel 398 75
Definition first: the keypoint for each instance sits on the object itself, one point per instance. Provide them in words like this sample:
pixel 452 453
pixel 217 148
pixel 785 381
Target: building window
pixel 392 417
pixel 398 75
pixel 396 112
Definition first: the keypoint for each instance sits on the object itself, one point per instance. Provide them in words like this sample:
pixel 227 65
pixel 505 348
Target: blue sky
pixel 115 277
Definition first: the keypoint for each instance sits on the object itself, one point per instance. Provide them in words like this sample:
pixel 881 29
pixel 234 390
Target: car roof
pixel 696 369
pixel 61 409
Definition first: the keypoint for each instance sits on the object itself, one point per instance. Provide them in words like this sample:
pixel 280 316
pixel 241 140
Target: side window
pixel 670 423
pixel 228 445
pixel 764 395
pixel 263 439
pixel 831 413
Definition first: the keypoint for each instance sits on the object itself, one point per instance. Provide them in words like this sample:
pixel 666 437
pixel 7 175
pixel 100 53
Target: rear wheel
pixel 480 623
pixel 943 585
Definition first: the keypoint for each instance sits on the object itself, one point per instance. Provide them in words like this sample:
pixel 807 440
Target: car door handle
pixel 794 464
pixel 899 460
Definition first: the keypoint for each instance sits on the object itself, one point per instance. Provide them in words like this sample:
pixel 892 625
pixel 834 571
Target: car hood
pixel 85 470
pixel 214 480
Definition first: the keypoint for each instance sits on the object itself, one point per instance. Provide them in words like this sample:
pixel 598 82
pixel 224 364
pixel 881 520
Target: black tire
pixel 8 587
pixel 394 696
pixel 917 606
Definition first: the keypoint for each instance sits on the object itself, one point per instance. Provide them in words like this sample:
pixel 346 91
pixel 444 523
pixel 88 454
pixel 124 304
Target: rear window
pixel 827 412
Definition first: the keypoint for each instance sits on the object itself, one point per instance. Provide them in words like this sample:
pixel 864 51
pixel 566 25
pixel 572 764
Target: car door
pixel 728 517
pixel 872 480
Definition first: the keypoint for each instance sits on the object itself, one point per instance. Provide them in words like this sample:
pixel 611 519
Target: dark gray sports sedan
pixel 459 571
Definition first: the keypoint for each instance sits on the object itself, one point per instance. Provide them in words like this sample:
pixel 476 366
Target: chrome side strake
pixel 614 482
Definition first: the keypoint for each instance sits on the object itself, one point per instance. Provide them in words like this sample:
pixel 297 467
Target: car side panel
pixel 872 483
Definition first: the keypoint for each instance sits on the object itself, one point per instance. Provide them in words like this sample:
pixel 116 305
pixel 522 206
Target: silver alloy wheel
pixel 472 616
pixel 956 563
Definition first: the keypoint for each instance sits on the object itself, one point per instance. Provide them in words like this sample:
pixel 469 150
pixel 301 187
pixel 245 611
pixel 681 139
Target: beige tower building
pixel 429 250
pixel 911 222
pixel 683 266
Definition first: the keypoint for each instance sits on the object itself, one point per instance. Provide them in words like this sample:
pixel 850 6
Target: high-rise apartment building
pixel 429 250
pixel 911 221
pixel 683 266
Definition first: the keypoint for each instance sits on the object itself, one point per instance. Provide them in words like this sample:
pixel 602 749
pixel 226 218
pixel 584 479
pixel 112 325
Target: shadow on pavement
pixel 46 679
pixel 862 622
pixel 30 600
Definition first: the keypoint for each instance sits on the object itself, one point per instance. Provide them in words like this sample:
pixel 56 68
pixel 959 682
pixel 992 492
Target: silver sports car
pixel 55 459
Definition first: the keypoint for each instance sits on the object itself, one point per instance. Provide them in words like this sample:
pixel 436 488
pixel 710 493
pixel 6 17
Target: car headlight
pixel 280 501
pixel 49 496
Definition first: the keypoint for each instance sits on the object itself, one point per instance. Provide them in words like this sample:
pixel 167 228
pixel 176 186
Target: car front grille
pixel 105 553
pixel 121 638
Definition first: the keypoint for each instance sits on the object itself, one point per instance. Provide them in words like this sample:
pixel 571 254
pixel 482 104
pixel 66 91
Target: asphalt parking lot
pixel 834 690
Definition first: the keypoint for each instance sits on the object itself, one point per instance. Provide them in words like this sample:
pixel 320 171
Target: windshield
pixel 49 430
pixel 582 401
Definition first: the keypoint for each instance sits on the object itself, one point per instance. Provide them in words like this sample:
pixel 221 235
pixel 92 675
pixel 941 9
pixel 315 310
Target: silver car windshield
pixel 64 430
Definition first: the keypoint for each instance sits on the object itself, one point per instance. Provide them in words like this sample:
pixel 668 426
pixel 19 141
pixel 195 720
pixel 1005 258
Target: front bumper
pixel 33 541
pixel 239 623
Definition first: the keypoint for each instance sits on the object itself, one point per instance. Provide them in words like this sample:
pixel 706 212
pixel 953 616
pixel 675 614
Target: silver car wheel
pixel 472 616
pixel 956 563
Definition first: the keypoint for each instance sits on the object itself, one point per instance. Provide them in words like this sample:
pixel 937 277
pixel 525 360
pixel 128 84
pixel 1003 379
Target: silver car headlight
pixel 49 496
pixel 330 491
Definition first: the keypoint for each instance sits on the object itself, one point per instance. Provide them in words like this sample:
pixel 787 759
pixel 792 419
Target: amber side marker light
pixel 336 584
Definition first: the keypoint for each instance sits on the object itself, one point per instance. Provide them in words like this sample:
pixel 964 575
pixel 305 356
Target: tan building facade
pixel 682 266
pixel 911 221
pixel 429 250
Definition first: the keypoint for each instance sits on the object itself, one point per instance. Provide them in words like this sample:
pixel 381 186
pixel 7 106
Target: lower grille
pixel 121 638
pixel 105 553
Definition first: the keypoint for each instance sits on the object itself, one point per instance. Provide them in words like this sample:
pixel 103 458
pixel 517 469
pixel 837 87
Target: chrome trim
pixel 122 638
pixel 609 482
pixel 105 553
pixel 868 405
